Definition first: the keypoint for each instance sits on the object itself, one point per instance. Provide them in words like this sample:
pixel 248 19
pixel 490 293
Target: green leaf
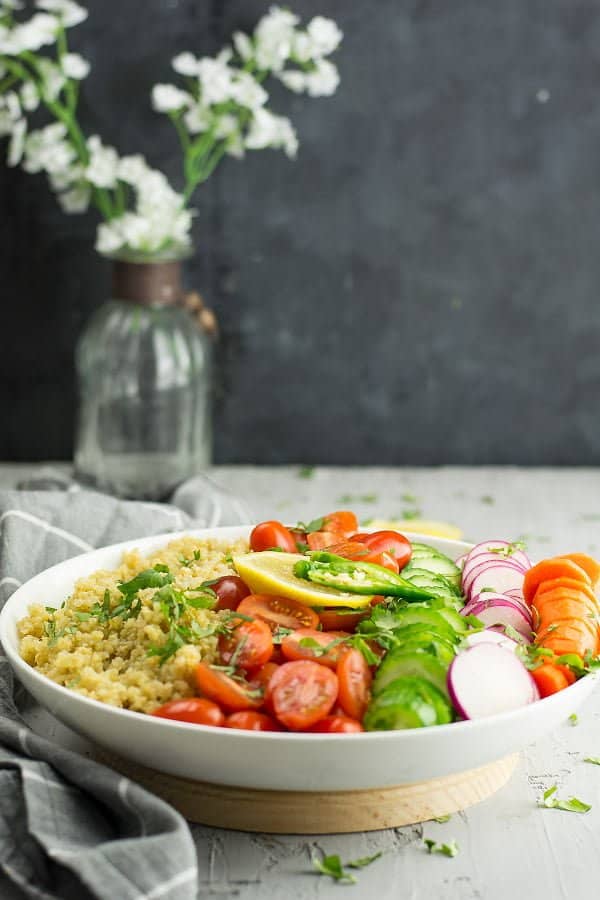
pixel 442 819
pixel 595 760
pixel 149 578
pixel 488 499
pixel 449 849
pixel 332 866
pixel 306 471
pixel 549 801
pixel 408 514
pixel 314 525
pixel 363 861
pixel 573 719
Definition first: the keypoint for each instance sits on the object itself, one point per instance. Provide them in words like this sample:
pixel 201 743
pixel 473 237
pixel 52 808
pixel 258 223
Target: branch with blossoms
pixel 219 110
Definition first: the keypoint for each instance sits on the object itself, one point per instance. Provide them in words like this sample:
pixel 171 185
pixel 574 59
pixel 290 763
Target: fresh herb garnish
pixel 549 801
pixel 442 819
pixel 53 635
pixel 189 562
pixel 408 514
pixel 509 550
pixel 306 471
pixel 488 499
pixel 595 760
pixel 280 633
pixel 363 861
pixel 357 498
pixel 334 868
pixel 573 719
pixel 408 498
pixel 313 525
pixel 449 849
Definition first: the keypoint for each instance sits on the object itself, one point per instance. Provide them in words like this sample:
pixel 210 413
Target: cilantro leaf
pixel 549 801
pixel 595 760
pixel 573 719
pixel 449 849
pixel 306 471
pixel 363 861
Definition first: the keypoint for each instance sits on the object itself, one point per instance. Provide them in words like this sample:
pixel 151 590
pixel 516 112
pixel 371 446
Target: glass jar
pixel 144 376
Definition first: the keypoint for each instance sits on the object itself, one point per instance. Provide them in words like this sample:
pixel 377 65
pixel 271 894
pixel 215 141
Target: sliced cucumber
pixel 437 584
pixel 407 702
pixel 429 619
pixel 416 663
pixel 439 565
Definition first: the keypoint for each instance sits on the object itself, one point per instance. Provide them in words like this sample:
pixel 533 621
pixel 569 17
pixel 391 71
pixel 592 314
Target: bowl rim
pixel 18 664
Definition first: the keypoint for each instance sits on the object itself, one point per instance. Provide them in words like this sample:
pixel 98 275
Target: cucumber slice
pixel 439 565
pixel 431 620
pixel 408 702
pixel 437 584
pixel 417 663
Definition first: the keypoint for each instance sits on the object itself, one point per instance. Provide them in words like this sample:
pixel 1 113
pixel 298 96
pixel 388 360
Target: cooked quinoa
pixel 108 660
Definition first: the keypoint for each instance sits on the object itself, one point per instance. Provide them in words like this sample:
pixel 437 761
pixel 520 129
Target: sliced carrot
pixel 585 562
pixel 561 646
pixel 569 584
pixel 549 679
pixel 551 608
pixel 568 630
pixel 551 568
pixel 571 679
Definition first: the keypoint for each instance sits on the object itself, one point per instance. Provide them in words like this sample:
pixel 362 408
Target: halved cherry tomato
pixel 336 725
pixel 227 692
pixel 391 542
pixel 191 709
pixel 346 619
pixel 278 611
pixel 247 645
pixel 272 534
pixel 324 647
pixel 249 720
pixel 302 692
pixel 261 676
pixel 230 591
pixel 355 679
pixel 356 550
pixel 342 521
pixel 319 540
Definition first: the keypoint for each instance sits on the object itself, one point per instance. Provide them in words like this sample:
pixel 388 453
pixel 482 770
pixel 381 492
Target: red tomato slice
pixel 272 534
pixel 319 540
pixel 337 725
pixel 302 692
pixel 338 618
pixel 342 521
pixel 247 645
pixel 191 709
pixel 324 647
pixel 260 677
pixel 230 591
pixel 227 692
pixel 359 551
pixel 355 679
pixel 278 611
pixel 390 542
pixel 249 720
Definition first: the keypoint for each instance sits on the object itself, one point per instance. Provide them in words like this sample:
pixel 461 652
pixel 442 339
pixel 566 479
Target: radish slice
pixel 489 559
pixel 469 577
pixel 501 578
pixel 502 612
pixel 487 546
pixel 488 679
pixel 489 636
pixel 486 596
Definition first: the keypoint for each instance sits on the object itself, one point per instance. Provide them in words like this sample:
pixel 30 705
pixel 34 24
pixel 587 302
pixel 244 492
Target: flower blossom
pixel 168 98
pixel 69 12
pixel 75 66
pixel 102 167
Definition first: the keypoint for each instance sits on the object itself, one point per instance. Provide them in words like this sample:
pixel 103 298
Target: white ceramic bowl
pixel 271 761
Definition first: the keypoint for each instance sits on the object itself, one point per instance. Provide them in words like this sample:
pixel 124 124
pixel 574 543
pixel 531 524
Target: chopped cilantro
pixel 449 849
pixel 306 471
pixel 595 760
pixel 488 499
pixel 334 868
pixel 189 562
pixel 549 801
pixel 573 719
pixel 442 819
pixel 314 525
pixel 408 514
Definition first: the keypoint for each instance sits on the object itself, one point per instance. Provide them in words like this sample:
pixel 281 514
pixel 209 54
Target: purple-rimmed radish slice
pixel 501 612
pixel 500 578
pixel 490 636
pixel 486 596
pixel 482 564
pixel 490 546
pixel 489 679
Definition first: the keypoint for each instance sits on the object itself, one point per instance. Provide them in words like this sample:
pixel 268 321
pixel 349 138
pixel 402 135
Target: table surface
pixel 508 845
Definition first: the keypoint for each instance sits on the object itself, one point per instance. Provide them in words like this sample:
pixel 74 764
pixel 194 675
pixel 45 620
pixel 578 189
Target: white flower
pixel 324 34
pixel 132 169
pixel 323 80
pixel 12 105
pixel 215 78
pixel 17 143
pixel 274 36
pixel 30 98
pixel 168 98
pixel 197 119
pixel 52 78
pixel 102 167
pixel 66 178
pixel 108 237
pixel 302 47
pixel 268 130
pixel 226 126
pixel 75 200
pixel 294 80
pixel 185 64
pixel 68 12
pixel 38 32
pixel 47 150
pixel 243 45
pixel 246 91
pixel 75 66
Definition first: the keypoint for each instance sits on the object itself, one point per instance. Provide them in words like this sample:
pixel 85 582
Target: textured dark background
pixel 420 286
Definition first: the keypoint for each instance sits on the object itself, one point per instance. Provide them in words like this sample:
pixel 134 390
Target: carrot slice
pixel 569 584
pixel 550 679
pixel 568 630
pixel 551 607
pixel 585 562
pixel 551 568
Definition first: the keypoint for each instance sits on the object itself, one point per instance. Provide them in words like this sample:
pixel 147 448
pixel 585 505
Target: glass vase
pixel 145 378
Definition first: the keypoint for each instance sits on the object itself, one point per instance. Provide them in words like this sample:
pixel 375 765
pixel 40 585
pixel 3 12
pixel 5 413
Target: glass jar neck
pixel 147 283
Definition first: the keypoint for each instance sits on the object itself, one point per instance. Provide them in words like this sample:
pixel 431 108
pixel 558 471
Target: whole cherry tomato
pixel 191 709
pixel 337 725
pixel 272 534
pixel 249 720
pixel 390 542
pixel 230 591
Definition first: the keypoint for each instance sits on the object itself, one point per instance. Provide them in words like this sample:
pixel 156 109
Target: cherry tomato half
pixel 272 534
pixel 324 647
pixel 319 540
pixel 360 552
pixel 249 720
pixel 355 679
pixel 230 591
pixel 342 521
pixel 278 611
pixel 390 542
pixel 260 677
pixel 247 645
pixel 338 618
pixel 337 725
pixel 302 692
pixel 227 692
pixel 191 709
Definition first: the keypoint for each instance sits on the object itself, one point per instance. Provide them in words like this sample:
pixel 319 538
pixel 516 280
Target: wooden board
pixel 319 812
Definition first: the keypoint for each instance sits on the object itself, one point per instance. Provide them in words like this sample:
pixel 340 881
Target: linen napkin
pixel 69 827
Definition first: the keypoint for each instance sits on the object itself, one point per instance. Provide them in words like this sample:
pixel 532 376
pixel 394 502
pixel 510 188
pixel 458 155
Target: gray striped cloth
pixel 70 828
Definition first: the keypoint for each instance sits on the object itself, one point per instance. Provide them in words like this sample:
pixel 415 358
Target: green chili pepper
pixel 342 574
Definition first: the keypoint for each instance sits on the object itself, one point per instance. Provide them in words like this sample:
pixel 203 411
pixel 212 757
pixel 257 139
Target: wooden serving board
pixel 319 812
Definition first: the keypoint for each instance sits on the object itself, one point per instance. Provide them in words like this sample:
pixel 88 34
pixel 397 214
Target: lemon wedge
pixel 417 526
pixel 270 572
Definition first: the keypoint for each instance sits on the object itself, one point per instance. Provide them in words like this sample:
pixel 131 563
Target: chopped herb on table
pixel 573 720
pixel 549 801
pixel 441 819
pixel 408 498
pixel 449 849
pixel 306 471
pixel 408 514
pixel 488 500
pixel 333 866
pixel 595 760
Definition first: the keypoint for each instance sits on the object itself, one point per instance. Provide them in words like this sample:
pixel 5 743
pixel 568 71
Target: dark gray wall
pixel 421 286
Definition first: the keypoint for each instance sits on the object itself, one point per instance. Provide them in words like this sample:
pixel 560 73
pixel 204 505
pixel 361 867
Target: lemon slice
pixel 417 526
pixel 270 572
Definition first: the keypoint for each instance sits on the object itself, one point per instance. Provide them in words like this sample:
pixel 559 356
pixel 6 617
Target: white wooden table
pixel 508 846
